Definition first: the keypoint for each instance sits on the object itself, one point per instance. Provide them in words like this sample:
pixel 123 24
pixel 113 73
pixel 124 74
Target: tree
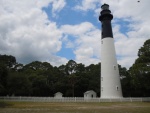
pixel 40 87
pixel 71 72
pixel 125 81
pixel 72 80
pixel 71 67
pixel 42 77
pixel 93 72
pixel 3 80
pixel 140 71
pixel 7 63
pixel 19 84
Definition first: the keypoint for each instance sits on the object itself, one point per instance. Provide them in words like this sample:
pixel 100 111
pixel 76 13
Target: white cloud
pixel 86 5
pixel 137 15
pixel 26 32
pixel 126 61
pixel 78 29
pixel 57 6
pixel 127 46
pixel 86 42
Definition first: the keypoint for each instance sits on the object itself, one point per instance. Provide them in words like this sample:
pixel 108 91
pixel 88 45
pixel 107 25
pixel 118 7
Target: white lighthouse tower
pixel 110 79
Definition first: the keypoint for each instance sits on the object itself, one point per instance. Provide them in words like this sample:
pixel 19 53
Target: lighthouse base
pixel 111 97
pixel 110 79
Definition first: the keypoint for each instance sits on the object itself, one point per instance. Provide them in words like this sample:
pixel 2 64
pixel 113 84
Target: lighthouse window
pixel 114 67
pixel 102 42
pixel 117 88
pixel 101 78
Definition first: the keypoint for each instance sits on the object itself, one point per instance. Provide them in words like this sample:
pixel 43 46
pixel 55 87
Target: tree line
pixel 72 79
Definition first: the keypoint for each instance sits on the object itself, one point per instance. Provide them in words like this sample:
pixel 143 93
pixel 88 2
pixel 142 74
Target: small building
pixel 58 95
pixel 90 94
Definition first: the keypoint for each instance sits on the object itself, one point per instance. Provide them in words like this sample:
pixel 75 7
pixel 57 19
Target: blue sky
pixel 60 30
pixel 69 15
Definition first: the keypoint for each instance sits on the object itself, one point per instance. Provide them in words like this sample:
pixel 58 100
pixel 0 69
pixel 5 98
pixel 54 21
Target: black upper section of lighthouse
pixel 105 18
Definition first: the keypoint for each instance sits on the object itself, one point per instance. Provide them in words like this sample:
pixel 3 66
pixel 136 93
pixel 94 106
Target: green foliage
pixel 125 81
pixel 140 71
pixel 7 61
pixel 93 71
pixel 6 64
pixel 71 67
pixel 18 84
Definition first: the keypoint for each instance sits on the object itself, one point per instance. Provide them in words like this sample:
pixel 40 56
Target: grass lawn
pixel 47 107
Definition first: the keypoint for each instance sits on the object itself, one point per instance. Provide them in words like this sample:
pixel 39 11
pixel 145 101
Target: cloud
pixel 86 42
pixel 26 32
pixel 135 15
pixel 57 5
pixel 78 29
pixel 86 5
pixel 127 45
pixel 127 49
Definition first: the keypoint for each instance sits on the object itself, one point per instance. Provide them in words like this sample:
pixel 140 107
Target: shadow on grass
pixel 4 104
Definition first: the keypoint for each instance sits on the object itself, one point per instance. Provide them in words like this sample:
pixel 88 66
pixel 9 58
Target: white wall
pixel 110 79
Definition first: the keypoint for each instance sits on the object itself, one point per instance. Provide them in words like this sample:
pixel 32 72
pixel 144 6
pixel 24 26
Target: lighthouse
pixel 110 79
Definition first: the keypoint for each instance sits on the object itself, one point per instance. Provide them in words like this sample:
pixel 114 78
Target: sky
pixel 57 31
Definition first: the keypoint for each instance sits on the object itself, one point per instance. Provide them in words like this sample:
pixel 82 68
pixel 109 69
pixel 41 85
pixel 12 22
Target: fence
pixel 73 99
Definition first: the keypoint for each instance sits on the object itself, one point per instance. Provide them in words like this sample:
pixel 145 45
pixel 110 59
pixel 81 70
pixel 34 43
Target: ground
pixel 48 107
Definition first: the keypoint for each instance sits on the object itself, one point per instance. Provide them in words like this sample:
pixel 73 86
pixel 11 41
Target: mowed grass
pixel 48 107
